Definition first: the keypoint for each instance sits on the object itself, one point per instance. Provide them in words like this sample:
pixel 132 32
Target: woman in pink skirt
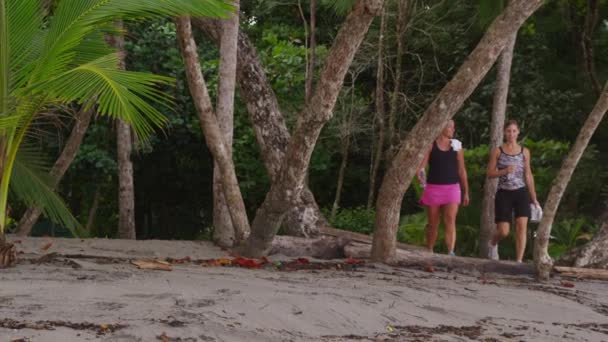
pixel 442 189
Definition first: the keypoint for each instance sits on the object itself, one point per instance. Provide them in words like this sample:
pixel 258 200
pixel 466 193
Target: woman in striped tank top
pixel 510 163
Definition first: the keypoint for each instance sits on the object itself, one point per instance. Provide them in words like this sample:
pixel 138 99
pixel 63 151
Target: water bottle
pixel 423 178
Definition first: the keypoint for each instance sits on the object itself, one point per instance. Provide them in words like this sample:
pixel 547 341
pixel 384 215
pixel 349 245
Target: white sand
pixel 194 303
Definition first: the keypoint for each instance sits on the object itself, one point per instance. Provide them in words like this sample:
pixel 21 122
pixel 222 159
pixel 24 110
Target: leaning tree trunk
pixel 542 261
pixel 499 108
pixel 285 191
pixel 380 113
pixel 124 147
pixel 305 218
pixel 223 233
pixel 403 167
pixel 82 120
pixel 211 129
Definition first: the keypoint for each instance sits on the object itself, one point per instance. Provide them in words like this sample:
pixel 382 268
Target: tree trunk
pixel 82 121
pixel 380 113
pixel 403 16
pixel 305 218
pixel 285 191
pixel 404 165
pixel 124 147
pixel 211 129
pixel 499 108
pixel 223 233
pixel 542 260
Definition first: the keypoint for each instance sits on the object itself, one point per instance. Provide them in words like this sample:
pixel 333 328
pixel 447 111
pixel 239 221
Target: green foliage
pixel 412 230
pixel 359 219
pixel 570 233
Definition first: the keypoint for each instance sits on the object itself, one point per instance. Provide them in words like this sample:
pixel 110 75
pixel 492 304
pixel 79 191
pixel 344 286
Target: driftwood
pixel 584 273
pixel 323 247
pixel 426 260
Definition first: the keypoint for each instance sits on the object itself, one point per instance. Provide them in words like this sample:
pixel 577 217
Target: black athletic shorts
pixel 509 202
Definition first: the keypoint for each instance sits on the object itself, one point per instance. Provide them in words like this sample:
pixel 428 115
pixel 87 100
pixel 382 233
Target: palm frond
pixel 76 19
pixel 24 25
pixel 120 94
pixel 31 183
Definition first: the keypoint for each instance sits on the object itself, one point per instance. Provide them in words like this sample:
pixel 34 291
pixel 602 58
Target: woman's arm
pixel 491 171
pixel 462 174
pixel 530 178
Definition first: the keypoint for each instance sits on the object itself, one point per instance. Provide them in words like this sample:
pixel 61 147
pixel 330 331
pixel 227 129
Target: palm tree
pixel 63 59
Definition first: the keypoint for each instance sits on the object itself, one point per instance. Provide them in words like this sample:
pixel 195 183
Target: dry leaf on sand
pixel 152 265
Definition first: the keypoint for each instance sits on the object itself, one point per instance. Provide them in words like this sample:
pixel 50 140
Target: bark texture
pixel 499 109
pixel 63 162
pixel 285 190
pixel 446 104
pixel 211 129
pixel 304 218
pixel 223 233
pixel 542 260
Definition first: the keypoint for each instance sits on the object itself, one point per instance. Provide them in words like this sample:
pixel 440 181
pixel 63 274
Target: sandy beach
pixel 90 291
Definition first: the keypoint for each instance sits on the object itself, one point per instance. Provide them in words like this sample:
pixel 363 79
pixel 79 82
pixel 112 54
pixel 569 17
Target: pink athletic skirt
pixel 440 194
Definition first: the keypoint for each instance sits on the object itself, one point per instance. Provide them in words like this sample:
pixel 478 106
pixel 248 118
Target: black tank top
pixel 443 166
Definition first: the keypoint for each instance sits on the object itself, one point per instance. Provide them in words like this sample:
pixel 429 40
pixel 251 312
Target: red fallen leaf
pixel 566 284
pixel 246 262
pixel 217 262
pixel 303 261
pixel 20 252
pixel 17 241
pixel 353 261
pixel 429 268
pixel 46 246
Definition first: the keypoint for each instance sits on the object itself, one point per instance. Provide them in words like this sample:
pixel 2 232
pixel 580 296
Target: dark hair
pixel 511 122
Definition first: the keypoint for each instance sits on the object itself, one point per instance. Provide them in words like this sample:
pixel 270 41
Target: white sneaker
pixel 492 251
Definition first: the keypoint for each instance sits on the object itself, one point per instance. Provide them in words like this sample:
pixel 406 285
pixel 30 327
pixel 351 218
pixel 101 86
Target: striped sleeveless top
pixel 515 180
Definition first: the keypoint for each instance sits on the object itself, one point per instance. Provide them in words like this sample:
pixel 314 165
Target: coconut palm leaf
pixel 76 19
pixel 120 94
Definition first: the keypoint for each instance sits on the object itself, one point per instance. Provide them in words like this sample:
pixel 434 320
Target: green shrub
pixel 359 219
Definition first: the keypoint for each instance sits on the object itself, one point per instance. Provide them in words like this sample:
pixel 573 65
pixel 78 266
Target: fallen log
pixel 582 273
pixel 426 260
pixel 323 247
pixel 362 238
